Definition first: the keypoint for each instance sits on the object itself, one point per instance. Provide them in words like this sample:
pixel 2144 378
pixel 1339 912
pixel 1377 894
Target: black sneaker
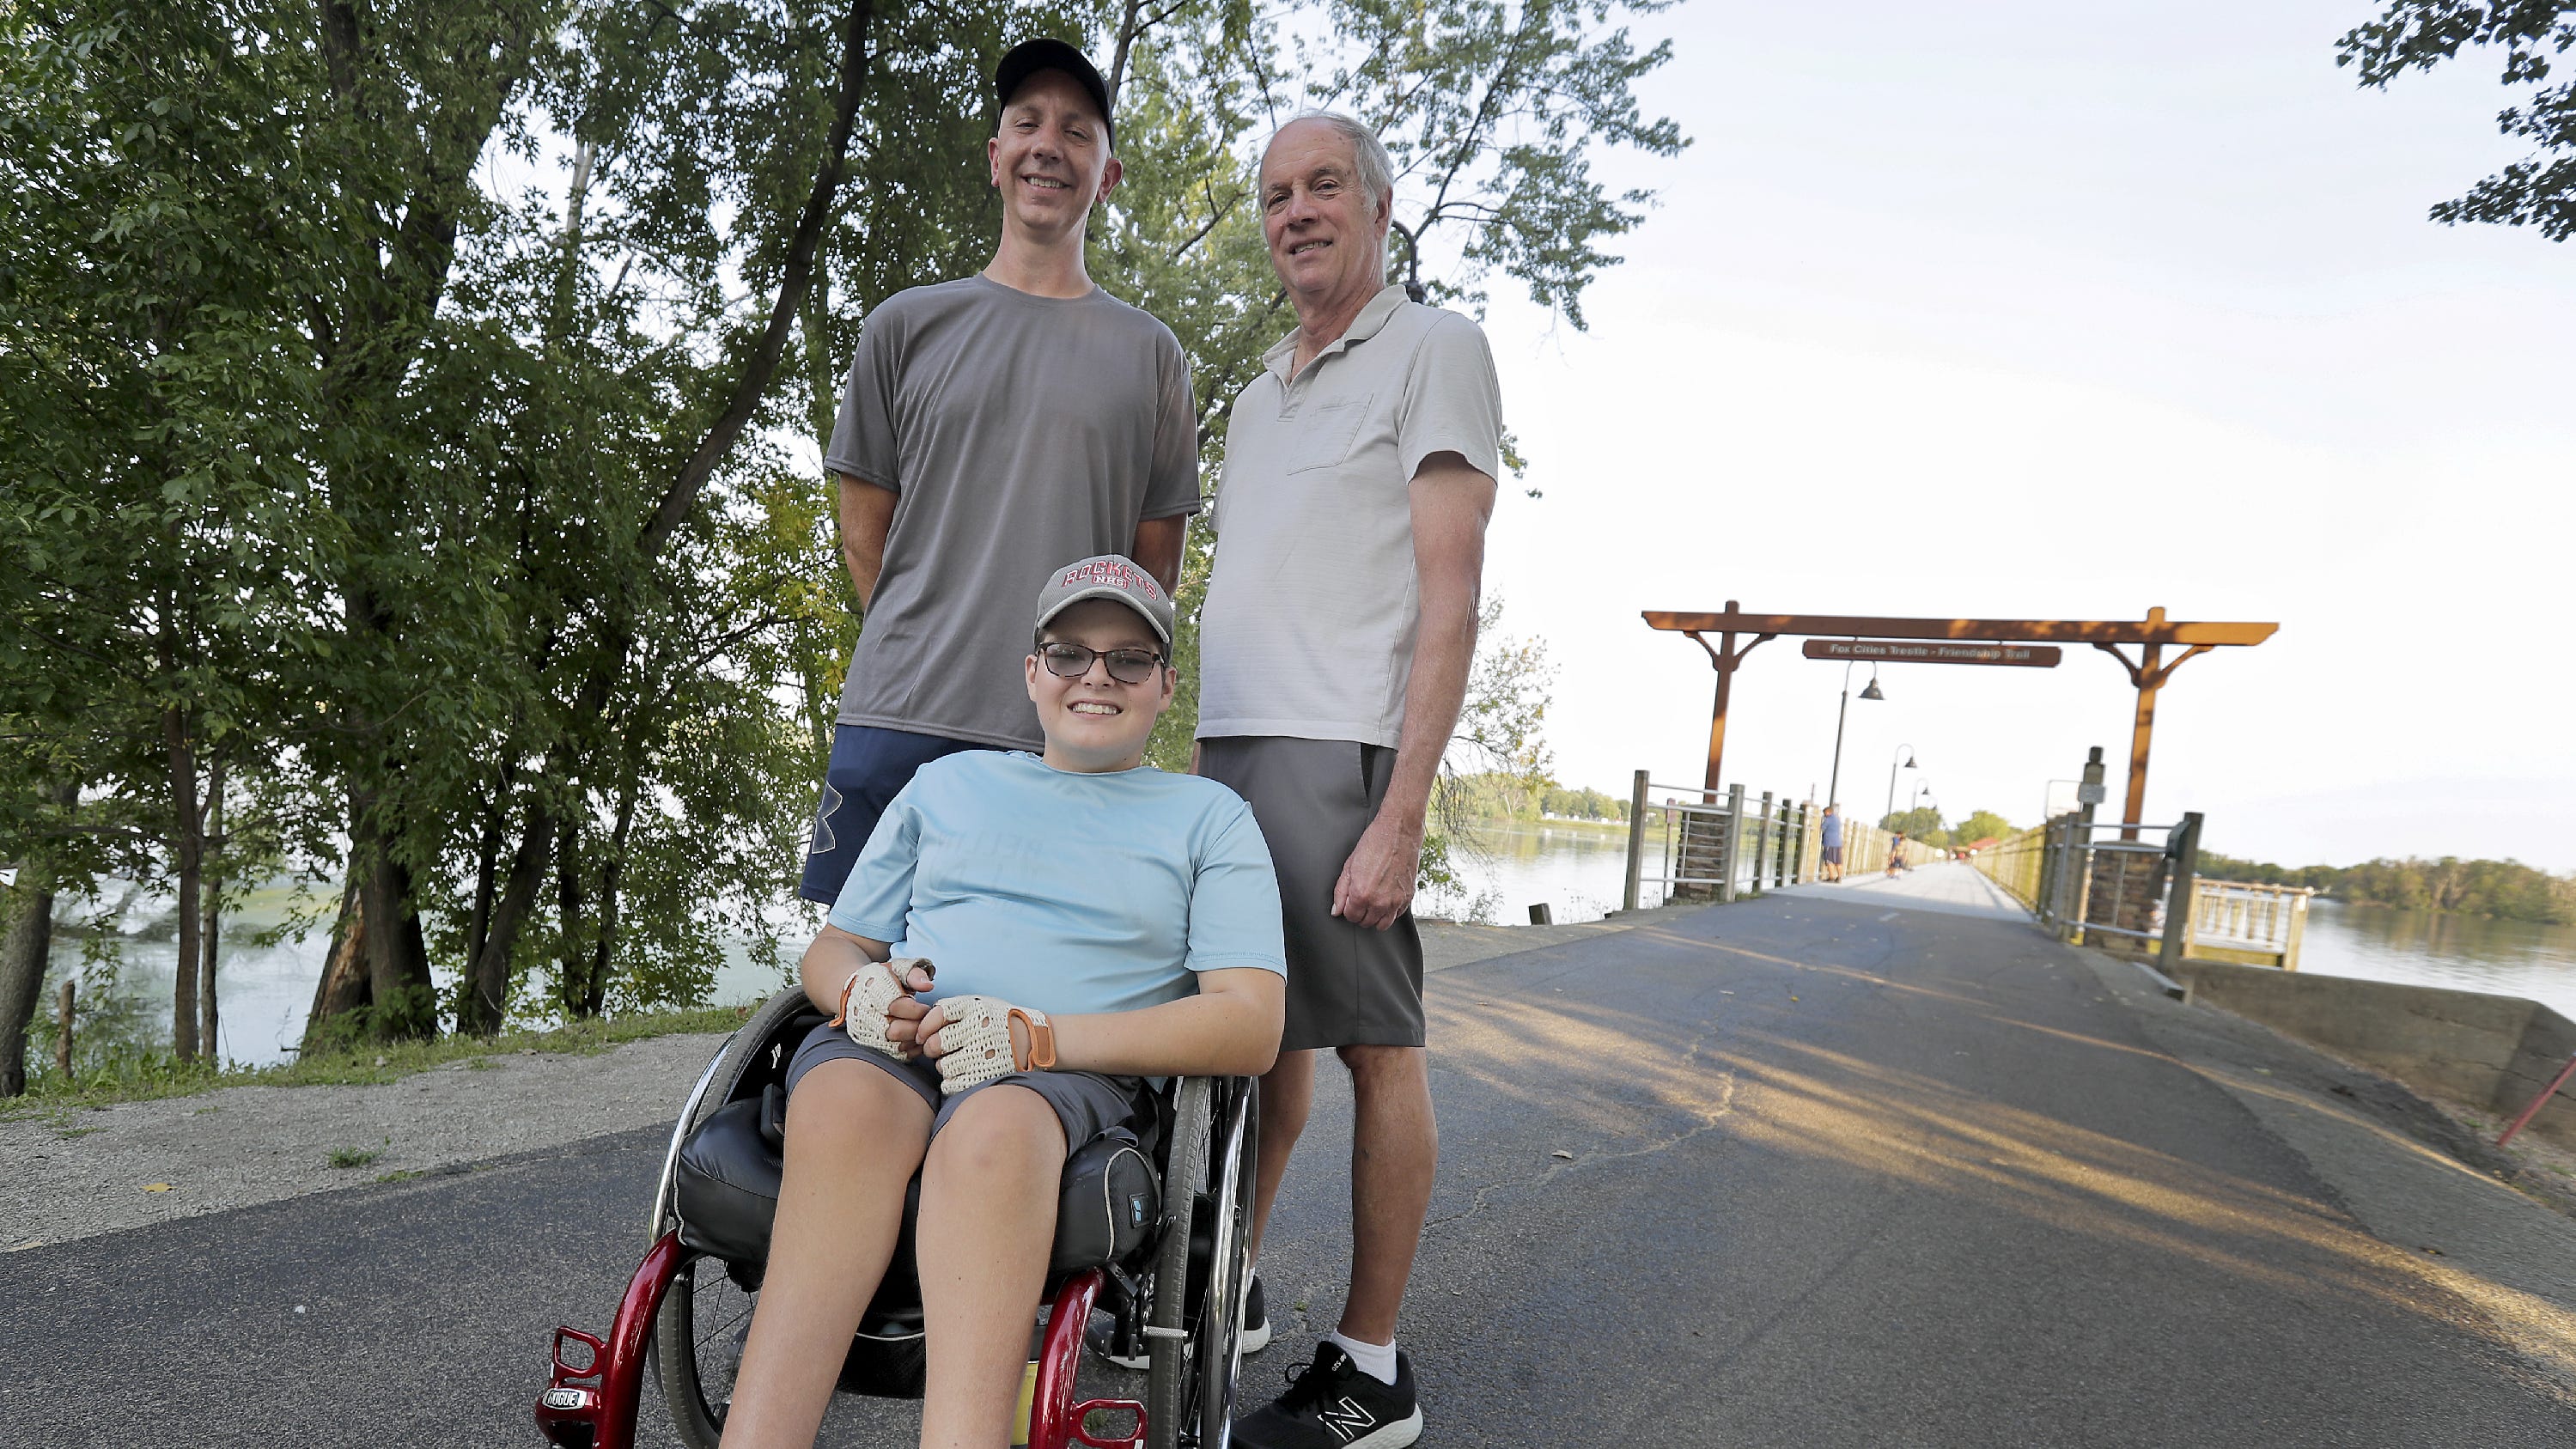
pixel 1255 1332
pixel 1332 1404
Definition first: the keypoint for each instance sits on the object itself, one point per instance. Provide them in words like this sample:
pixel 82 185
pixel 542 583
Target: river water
pixel 1579 872
pixel 1576 870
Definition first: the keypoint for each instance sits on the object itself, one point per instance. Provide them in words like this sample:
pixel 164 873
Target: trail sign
pixel 1934 651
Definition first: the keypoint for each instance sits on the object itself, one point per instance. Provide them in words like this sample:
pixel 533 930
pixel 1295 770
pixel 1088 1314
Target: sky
pixel 2050 311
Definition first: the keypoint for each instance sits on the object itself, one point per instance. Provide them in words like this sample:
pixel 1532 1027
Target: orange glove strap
pixel 1041 1053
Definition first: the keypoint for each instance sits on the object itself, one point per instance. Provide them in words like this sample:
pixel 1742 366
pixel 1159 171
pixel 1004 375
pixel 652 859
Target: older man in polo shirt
pixel 1336 638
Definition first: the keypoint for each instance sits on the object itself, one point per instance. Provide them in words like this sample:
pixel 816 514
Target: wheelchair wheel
pixel 698 1336
pixel 1199 1265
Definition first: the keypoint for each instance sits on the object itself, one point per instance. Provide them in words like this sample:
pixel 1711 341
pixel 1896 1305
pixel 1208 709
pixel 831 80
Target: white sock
pixel 1377 1360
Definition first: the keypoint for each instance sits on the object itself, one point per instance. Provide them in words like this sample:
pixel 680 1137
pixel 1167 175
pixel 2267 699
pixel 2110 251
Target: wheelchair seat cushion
pixel 726 1191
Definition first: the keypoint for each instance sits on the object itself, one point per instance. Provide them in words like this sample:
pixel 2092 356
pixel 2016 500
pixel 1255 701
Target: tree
pixel 2539 190
pixel 1981 825
pixel 1922 823
pixel 149 426
pixel 387 511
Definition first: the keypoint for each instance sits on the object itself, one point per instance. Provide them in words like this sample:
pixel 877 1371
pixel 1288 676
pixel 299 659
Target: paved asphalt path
pixel 1801 1171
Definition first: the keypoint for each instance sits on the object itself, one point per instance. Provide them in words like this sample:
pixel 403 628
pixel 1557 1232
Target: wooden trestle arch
pixel 2148 671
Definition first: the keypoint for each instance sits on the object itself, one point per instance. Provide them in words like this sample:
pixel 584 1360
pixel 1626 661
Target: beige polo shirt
pixel 1311 614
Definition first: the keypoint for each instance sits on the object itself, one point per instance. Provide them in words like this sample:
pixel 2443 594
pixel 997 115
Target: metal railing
pixel 2123 892
pixel 1735 844
pixel 2259 925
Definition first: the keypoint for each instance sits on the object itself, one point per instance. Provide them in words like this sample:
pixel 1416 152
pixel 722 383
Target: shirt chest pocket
pixel 1322 436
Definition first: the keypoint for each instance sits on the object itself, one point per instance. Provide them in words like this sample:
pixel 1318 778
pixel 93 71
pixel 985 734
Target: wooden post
pixel 1762 846
pixel 2080 856
pixel 2298 908
pixel 1723 657
pixel 2142 732
pixel 1637 842
pixel 2184 851
pixel 1730 842
pixel 63 1031
pixel 1724 660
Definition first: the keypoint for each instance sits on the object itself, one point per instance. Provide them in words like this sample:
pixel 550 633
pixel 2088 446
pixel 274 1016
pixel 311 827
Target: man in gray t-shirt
pixel 992 428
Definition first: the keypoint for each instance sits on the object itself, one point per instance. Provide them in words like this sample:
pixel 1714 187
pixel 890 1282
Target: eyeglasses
pixel 1073 661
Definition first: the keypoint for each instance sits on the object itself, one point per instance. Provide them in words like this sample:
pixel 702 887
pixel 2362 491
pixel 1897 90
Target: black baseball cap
pixel 1029 57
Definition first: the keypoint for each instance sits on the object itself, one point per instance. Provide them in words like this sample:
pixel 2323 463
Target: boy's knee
pixel 845 1101
pixel 1000 1133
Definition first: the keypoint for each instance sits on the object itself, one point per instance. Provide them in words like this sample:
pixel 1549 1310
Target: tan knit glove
pixel 877 986
pixel 976 1042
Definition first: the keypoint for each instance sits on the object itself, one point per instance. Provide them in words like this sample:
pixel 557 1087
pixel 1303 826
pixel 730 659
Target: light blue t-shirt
pixel 1064 891
pixel 1833 832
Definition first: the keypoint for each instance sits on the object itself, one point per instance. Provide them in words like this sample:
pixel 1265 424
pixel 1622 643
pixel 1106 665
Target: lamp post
pixel 1833 791
pixel 1904 753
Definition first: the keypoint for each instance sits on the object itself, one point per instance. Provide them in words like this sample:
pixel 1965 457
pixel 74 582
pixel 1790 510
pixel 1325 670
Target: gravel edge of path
pixel 81 1172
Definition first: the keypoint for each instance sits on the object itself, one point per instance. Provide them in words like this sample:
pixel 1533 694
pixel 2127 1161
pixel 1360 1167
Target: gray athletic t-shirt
pixel 1019 434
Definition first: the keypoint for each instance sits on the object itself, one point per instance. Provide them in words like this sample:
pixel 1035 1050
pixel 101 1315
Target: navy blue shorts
pixel 870 766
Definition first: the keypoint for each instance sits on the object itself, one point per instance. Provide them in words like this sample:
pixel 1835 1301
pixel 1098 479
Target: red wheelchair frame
pixel 593 1405
pixel 595 1389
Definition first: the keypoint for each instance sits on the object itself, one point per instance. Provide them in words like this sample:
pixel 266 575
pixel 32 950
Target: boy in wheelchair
pixel 1093 922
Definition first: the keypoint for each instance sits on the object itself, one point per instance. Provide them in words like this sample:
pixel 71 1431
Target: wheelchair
pixel 1151 1226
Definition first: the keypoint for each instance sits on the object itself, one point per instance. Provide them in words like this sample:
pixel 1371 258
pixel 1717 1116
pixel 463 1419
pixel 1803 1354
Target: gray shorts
pixel 1347 986
pixel 1087 1103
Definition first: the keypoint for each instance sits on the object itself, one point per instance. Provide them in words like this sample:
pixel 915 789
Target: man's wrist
pixel 1407 820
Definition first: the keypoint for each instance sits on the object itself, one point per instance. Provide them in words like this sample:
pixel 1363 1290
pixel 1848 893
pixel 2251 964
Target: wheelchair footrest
pixel 590 1400
pixel 1089 1407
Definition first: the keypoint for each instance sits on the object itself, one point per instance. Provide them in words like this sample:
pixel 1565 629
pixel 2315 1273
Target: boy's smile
pixel 1094 722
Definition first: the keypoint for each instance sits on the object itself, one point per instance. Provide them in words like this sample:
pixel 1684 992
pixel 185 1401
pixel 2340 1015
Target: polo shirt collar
pixel 1283 353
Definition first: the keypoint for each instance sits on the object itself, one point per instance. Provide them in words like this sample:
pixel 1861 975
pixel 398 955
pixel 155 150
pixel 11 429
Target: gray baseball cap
pixel 1108 576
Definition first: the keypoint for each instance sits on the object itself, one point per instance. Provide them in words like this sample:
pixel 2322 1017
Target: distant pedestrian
pixel 992 428
pixel 1895 854
pixel 1833 842
pixel 1339 627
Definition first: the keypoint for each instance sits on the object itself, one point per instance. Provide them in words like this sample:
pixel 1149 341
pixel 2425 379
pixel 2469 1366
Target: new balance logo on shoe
pixel 1347 1419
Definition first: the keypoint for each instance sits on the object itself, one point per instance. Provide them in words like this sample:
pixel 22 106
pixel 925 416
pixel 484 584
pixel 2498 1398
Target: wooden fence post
pixel 63 1036
pixel 2184 849
pixel 1730 843
pixel 1637 842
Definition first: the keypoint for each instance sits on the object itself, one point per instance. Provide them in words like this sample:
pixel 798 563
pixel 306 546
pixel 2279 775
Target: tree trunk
pixel 403 1002
pixel 343 987
pixel 26 942
pixel 487 861
pixel 571 961
pixel 611 871
pixel 486 1002
pixel 23 947
pixel 187 844
pixel 208 1018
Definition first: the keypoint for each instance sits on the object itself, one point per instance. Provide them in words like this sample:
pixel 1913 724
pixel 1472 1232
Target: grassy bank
pixel 136 1079
pixel 1521 822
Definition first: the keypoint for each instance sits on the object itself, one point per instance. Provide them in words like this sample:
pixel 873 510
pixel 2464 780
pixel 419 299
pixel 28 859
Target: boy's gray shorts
pixel 1087 1103
pixel 1347 986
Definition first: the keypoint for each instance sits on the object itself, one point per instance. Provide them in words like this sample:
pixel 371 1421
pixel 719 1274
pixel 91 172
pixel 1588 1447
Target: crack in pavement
pixel 1707 1119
